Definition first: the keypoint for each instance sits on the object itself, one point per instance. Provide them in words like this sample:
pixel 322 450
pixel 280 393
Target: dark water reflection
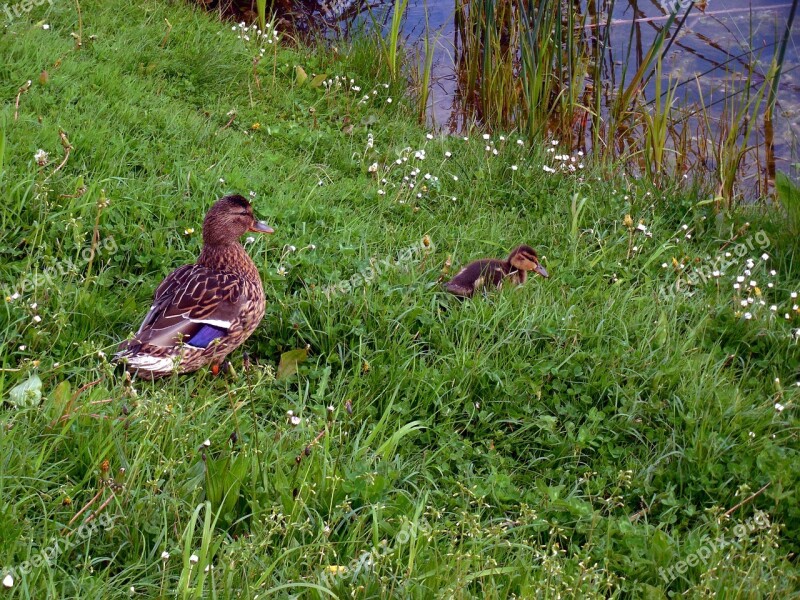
pixel 710 57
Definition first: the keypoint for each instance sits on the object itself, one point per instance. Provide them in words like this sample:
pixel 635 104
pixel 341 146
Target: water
pixel 709 57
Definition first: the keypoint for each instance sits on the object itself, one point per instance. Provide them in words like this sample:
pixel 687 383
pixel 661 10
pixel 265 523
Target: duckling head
pixel 229 219
pixel 524 258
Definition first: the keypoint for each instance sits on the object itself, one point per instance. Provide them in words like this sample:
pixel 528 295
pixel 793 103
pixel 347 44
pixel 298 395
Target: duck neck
pixel 230 257
pixel 518 276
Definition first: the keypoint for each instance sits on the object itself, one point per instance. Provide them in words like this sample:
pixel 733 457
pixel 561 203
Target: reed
pixel 657 122
pixel 740 116
pixel 628 91
pixel 261 8
pixel 390 44
pixel 424 75
pixel 522 65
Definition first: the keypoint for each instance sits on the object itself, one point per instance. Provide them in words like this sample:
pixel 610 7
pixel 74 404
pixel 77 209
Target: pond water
pixel 709 58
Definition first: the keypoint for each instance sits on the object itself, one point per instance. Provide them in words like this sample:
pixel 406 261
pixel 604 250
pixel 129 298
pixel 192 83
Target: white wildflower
pixel 41 157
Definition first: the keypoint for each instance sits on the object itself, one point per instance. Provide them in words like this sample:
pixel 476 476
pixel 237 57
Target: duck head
pixel 524 258
pixel 229 219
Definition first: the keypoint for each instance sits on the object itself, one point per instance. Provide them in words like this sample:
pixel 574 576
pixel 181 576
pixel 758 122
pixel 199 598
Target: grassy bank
pixel 625 428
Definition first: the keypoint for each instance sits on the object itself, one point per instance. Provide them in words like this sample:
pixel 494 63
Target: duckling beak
pixel 261 227
pixel 541 271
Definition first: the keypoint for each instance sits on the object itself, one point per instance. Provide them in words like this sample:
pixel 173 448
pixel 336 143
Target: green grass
pixel 570 438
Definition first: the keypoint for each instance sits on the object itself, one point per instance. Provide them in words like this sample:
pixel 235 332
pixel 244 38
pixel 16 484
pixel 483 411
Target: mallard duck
pixel 492 273
pixel 202 312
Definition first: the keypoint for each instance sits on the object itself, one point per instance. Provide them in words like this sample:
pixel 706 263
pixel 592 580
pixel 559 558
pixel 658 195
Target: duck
pixel 492 273
pixel 203 311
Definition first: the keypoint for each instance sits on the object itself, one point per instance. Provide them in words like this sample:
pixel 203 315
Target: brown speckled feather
pixel 189 297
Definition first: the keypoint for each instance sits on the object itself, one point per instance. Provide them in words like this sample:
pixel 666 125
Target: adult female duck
pixel 203 312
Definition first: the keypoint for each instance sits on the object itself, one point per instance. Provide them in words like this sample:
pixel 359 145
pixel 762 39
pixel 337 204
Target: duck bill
pixel 541 271
pixel 261 227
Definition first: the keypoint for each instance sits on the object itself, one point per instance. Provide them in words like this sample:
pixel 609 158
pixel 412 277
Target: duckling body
pixel 204 311
pixel 491 273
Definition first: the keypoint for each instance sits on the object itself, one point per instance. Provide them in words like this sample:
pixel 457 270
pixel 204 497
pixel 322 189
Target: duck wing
pixel 194 305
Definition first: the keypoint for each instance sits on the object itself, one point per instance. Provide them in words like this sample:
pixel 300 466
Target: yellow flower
pixel 336 569
pixel 627 221
pixel 255 126
pixel 758 291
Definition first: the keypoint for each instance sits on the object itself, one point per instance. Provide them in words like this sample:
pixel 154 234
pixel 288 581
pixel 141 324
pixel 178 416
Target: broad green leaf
pixel 27 393
pixel 289 361
pixel 300 75
pixel 317 80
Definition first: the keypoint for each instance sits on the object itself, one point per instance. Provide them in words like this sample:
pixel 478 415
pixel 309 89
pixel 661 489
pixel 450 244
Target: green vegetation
pixel 552 68
pixel 625 428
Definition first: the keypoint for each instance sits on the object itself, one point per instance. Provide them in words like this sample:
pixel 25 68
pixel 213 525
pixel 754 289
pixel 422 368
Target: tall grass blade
pixel 261 8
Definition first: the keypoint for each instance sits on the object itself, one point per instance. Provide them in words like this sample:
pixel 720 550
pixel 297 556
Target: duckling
pixel 491 273
pixel 204 311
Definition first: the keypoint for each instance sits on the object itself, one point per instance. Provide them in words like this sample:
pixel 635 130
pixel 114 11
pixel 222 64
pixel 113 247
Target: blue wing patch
pixel 206 335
